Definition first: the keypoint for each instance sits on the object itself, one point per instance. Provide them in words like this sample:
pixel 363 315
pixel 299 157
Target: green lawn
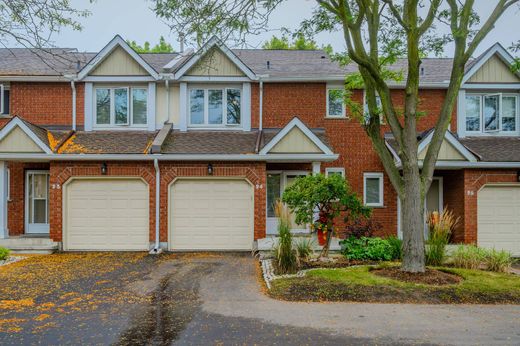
pixel 359 284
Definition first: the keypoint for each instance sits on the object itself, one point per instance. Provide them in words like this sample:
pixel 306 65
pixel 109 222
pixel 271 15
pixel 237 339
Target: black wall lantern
pixel 104 168
pixel 210 169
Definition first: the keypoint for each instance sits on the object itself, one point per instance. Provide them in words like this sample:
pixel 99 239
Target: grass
pixel 359 284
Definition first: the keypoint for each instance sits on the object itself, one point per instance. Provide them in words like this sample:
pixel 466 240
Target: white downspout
pixel 73 86
pixel 260 108
pixel 167 85
pixel 157 249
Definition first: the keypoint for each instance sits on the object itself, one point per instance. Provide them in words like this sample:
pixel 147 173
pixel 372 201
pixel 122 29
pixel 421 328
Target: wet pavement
pixel 213 300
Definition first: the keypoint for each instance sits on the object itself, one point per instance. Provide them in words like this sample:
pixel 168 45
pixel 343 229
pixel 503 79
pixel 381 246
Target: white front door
pixel 37 202
pixel 277 182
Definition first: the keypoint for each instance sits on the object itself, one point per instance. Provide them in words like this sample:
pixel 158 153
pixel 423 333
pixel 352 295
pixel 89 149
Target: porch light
pixel 518 176
pixel 210 169
pixel 104 168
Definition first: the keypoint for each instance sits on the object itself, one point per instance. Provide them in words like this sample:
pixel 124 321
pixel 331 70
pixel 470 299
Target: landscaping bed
pixel 429 277
pixel 362 284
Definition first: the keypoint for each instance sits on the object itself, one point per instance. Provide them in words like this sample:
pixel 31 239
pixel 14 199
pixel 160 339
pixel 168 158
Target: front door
pixel 277 182
pixel 37 202
pixel 434 201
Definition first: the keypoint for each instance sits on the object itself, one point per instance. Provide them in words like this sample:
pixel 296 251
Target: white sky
pixel 135 21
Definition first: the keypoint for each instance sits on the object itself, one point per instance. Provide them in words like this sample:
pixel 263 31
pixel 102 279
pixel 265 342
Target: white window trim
pixel 340 170
pixel 499 131
pixel 343 106
pixel 113 125
pixel 3 87
pixel 373 175
pixel 224 124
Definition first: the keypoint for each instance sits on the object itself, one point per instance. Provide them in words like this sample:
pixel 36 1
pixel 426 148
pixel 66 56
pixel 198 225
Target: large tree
pixel 376 33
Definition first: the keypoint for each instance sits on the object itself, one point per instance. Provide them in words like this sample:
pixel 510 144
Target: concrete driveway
pixel 211 299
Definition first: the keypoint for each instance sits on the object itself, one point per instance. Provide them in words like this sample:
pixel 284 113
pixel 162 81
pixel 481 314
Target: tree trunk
pixel 412 222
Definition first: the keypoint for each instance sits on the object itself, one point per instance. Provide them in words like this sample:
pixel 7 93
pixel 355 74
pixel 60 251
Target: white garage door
pixel 211 215
pixel 106 214
pixel 499 218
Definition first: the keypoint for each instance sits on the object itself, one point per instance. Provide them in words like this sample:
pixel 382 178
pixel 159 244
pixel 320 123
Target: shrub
pixel 440 226
pixel 304 248
pixel 397 247
pixel 283 251
pixel 468 256
pixel 366 248
pixel 498 261
pixel 362 227
pixel 4 253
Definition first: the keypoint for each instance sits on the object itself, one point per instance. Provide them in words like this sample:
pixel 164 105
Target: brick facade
pixel 47 103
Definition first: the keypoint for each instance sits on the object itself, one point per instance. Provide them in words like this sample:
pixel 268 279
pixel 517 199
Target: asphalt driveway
pixel 129 298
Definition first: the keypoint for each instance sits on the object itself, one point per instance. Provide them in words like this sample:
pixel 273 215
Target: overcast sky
pixel 135 21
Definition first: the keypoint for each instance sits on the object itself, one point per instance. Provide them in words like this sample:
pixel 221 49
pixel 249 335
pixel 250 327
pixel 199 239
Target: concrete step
pixel 36 245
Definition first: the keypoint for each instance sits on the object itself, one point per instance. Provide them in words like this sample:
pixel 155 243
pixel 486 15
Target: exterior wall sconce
pixel 210 169
pixel 104 168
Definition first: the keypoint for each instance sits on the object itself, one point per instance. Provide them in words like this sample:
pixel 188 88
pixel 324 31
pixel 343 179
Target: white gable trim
pixel 299 124
pixel 497 49
pixel 17 122
pixel 468 155
pixel 117 41
pixel 214 42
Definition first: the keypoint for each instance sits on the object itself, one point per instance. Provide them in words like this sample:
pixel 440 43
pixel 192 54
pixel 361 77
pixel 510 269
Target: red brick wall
pixel 62 172
pixel 474 180
pixel 47 103
pixel 254 172
pixel 16 203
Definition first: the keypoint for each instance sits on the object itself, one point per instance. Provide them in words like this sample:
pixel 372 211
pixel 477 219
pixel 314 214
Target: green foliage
pixel 516 62
pixel 397 247
pixel 441 226
pixel 4 253
pixel 285 257
pixel 304 248
pixel 468 256
pixel 299 43
pixel 364 248
pixel 498 261
pixel 161 47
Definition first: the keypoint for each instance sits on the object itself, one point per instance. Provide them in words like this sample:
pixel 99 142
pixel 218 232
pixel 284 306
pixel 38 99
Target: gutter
pixel 73 86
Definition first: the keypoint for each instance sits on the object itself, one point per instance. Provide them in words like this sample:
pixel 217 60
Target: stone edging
pixel 11 259
pixel 269 275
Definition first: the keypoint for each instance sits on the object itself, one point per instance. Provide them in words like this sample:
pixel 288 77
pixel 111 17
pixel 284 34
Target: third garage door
pixel 215 214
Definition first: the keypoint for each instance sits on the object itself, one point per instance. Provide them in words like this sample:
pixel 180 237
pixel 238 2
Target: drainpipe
pixel 157 250
pixel 73 86
pixel 260 108
pixel 167 85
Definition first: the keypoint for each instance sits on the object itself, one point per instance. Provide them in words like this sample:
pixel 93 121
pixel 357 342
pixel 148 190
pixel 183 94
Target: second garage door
pixel 106 214
pixel 499 218
pixel 211 215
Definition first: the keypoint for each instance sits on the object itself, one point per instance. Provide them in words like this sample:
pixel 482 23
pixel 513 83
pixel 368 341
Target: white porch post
pixel 316 167
pixel 3 199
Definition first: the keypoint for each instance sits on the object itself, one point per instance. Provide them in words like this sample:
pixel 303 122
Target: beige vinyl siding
pixel 119 63
pixel 498 215
pixel 160 107
pixel 106 214
pixel 211 214
pixel 17 141
pixel 215 63
pixel 295 142
pixel 446 153
pixel 494 71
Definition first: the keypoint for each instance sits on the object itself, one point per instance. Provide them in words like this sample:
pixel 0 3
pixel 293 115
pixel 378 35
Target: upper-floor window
pixel 4 99
pixel 366 113
pixel 335 104
pixel 491 113
pixel 215 107
pixel 121 106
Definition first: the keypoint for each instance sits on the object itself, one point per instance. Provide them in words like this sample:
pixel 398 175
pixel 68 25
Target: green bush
pixel 4 253
pixel 365 248
pixel 468 256
pixel 286 260
pixel 441 226
pixel 498 261
pixel 304 248
pixel 397 247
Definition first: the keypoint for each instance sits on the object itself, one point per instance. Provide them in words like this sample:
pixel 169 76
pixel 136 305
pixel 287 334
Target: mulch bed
pixel 339 262
pixel 429 277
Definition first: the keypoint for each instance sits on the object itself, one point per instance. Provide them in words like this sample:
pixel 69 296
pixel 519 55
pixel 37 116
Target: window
pixel 379 107
pixel 273 192
pixel 121 106
pixel 4 99
pixel 373 189
pixel 490 113
pixel 335 105
pixel 335 170
pixel 215 107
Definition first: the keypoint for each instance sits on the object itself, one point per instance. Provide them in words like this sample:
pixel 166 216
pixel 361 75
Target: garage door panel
pixel 211 215
pixel 499 218
pixel 107 214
